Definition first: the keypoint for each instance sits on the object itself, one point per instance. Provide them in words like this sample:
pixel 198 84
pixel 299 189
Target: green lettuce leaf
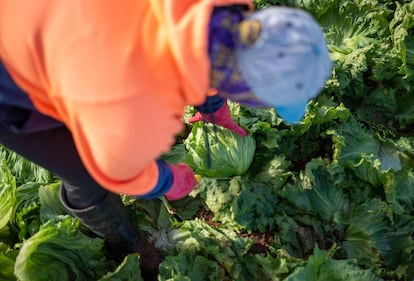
pixel 351 140
pixel 402 26
pixel 24 170
pixel 128 270
pixel 190 267
pixel 321 267
pixel 176 154
pixel 241 203
pixel 398 195
pixel 318 193
pixel 7 194
pixel 356 33
pixel 371 158
pixel 26 220
pixel 7 258
pixel 276 172
pixel 308 139
pixel 50 204
pixel 205 252
pixel 59 251
pixel 255 118
pixel 221 245
pixel 372 237
pixel 266 267
pixel 230 153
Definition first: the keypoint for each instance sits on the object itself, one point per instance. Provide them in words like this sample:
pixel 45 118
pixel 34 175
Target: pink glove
pixel 221 117
pixel 183 182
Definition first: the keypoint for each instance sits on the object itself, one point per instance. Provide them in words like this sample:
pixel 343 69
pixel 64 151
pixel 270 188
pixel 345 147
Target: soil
pixel 261 243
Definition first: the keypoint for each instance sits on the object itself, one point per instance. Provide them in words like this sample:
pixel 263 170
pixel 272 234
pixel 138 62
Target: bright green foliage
pixel 7 194
pixel 318 193
pixel 26 220
pixel 128 270
pixel 50 204
pixel 242 203
pixel 373 237
pixel 59 251
pixel 321 267
pixel 187 267
pixel 25 171
pixel 218 254
pixel 7 259
pixel 230 153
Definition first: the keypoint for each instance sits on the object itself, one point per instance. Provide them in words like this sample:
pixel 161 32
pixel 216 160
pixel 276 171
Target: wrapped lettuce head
pixel 213 151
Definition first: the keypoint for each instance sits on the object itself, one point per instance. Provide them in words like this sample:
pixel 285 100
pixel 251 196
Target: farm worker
pixel 94 91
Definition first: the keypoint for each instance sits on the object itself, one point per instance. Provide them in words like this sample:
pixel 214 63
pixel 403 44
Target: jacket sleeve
pixel 120 141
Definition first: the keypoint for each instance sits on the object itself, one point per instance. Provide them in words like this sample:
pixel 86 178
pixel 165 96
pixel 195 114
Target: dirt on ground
pixel 261 243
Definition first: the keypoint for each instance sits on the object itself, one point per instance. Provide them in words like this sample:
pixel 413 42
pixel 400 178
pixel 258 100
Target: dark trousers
pixel 44 141
pixel 54 150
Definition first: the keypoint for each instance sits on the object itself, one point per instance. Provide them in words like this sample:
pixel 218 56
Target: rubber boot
pixel 110 220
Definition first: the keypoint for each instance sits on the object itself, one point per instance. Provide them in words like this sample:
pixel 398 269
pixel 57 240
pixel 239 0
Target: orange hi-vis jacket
pixel 117 73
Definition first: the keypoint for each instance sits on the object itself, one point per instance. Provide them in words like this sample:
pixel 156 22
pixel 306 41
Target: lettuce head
pixel 214 151
pixel 59 251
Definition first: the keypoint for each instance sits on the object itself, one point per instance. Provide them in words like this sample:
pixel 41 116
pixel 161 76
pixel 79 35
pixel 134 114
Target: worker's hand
pixel 221 117
pixel 183 182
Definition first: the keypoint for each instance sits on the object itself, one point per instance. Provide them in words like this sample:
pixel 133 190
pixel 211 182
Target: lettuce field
pixel 331 198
